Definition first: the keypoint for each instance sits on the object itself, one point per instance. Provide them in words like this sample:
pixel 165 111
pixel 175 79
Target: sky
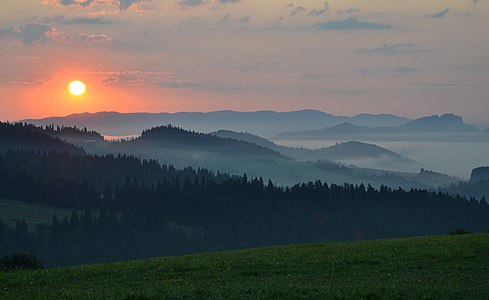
pixel 411 58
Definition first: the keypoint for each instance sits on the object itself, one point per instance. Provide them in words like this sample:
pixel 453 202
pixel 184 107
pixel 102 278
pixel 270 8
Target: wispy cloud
pixel 319 12
pixel 438 15
pixel 295 10
pixel 121 5
pixel 27 57
pixel 351 23
pixel 404 70
pixel 447 84
pixel 228 1
pixel 316 76
pixel 190 3
pixel 395 72
pixel 30 33
pixel 231 18
pixel 162 79
pixel 80 20
pixel 392 49
pixel 347 11
pixel 253 69
pixel 41 33
pixel 25 81
pixel 134 77
pixel 92 38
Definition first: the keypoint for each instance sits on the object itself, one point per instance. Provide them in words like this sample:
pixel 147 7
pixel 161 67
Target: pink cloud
pixel 121 5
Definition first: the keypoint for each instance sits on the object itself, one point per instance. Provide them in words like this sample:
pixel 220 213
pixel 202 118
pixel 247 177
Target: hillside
pixel 357 153
pixel 29 137
pixel 352 149
pixel 446 267
pixel 263 123
pixel 181 148
pixel 248 137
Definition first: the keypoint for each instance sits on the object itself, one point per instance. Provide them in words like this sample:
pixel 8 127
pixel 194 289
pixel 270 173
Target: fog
pixel 456 159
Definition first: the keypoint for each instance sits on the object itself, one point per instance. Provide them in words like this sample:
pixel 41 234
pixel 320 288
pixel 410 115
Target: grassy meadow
pixel 33 214
pixel 445 267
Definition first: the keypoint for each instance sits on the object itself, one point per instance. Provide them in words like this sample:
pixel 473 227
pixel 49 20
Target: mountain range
pixel 263 123
pixel 174 146
pixel 445 127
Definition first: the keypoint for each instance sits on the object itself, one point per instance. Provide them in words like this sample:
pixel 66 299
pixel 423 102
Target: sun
pixel 77 88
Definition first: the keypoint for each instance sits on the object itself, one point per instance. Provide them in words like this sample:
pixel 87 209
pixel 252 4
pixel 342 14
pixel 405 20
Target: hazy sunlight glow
pixel 77 88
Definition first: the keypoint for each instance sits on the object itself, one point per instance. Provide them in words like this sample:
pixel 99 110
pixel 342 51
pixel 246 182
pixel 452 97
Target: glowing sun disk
pixel 77 88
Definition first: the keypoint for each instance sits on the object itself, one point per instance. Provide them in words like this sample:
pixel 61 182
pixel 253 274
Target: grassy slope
pixel 10 211
pixel 429 267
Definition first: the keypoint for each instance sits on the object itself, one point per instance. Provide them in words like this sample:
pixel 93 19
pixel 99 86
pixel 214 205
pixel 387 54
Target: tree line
pixel 127 208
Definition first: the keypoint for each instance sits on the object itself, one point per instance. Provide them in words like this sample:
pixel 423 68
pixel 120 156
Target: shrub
pixel 20 261
pixel 459 231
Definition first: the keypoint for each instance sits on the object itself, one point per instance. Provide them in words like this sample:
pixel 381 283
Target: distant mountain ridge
pixel 480 174
pixel 446 126
pixel 435 123
pixel 264 123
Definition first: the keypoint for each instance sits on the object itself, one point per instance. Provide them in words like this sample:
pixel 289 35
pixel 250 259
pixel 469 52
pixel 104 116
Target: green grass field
pixel 446 267
pixel 10 211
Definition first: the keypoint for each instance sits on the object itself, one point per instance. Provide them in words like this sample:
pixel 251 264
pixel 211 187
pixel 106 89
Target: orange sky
pixel 409 58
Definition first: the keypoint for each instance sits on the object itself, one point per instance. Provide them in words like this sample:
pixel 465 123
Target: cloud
pixel 243 19
pixel 348 11
pixel 319 12
pixel 6 32
pixel 92 38
pixel 404 70
pixel 163 79
pixel 41 33
pixel 446 84
pixel 395 72
pixel 30 33
pixel 351 23
pixel 297 10
pixel 79 3
pixel 228 1
pixel 188 85
pixel 316 76
pixel 438 15
pixel 134 77
pixel 62 19
pixel 27 57
pixel 190 3
pixel 253 69
pixel 26 81
pixel 392 49
pixel 140 5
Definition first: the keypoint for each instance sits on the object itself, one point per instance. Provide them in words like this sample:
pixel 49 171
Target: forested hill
pixel 29 137
pixel 136 218
pixel 352 152
pixel 74 181
pixel 172 136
